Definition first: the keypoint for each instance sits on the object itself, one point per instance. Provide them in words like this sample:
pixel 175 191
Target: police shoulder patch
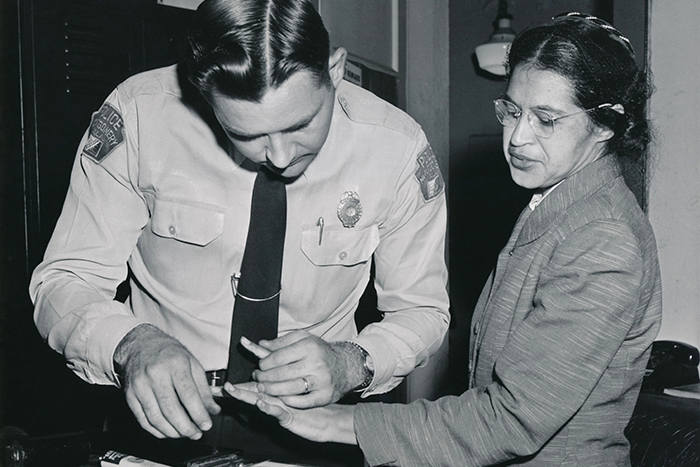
pixel 106 133
pixel 428 174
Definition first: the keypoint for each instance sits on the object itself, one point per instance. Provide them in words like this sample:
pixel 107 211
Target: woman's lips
pixel 519 161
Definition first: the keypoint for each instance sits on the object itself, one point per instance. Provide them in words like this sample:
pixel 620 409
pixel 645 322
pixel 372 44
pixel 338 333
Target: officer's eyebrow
pixel 250 137
pixel 296 127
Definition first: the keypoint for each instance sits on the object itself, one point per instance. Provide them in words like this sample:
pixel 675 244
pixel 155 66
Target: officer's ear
pixel 336 65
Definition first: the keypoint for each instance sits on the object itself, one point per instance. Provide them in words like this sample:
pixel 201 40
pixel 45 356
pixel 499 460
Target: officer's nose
pixel 280 151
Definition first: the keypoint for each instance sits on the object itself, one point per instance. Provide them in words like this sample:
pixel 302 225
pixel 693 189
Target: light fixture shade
pixel 492 56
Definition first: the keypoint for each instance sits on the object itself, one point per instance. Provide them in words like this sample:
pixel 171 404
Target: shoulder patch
pixel 428 174
pixel 106 133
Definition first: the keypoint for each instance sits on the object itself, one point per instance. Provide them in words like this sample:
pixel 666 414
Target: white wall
pixel 674 189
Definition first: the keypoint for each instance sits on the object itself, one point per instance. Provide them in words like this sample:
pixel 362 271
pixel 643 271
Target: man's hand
pixel 333 423
pixel 305 371
pixel 166 387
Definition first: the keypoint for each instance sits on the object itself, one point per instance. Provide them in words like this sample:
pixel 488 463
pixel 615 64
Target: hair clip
pixel 602 23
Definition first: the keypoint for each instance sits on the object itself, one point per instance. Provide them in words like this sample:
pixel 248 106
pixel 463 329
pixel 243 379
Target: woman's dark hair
pixel 242 48
pixel 600 65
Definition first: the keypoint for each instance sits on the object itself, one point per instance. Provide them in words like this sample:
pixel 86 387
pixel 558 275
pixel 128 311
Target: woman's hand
pixel 332 423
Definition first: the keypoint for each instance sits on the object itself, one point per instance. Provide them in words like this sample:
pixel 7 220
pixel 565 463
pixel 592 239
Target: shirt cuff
pixel 384 380
pixel 102 341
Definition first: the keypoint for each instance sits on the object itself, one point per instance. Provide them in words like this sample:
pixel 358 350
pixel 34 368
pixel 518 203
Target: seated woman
pixel 562 331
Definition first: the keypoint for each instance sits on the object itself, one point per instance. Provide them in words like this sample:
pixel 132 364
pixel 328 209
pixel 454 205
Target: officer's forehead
pixel 298 100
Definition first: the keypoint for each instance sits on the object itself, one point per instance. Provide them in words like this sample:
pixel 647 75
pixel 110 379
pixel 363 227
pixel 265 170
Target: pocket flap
pixel 198 225
pixel 339 245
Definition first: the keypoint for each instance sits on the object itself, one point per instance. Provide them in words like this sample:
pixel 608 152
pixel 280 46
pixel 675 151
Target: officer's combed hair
pixel 242 48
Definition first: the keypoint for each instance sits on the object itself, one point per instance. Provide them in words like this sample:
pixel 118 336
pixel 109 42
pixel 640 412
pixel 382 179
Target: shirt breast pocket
pixel 339 246
pixel 197 225
pixel 183 251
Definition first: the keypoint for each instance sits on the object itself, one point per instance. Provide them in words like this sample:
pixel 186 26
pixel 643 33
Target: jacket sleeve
pixel 86 258
pixel 583 309
pixel 410 274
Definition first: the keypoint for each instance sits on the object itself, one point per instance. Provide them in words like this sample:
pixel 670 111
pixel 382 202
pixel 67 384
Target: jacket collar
pixel 579 185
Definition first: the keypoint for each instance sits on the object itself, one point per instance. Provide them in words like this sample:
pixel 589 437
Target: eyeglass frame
pixel 530 116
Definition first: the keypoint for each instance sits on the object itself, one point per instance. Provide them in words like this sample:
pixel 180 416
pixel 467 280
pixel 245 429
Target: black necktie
pixel 257 292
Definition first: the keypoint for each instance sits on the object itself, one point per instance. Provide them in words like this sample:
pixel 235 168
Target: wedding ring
pixel 306 385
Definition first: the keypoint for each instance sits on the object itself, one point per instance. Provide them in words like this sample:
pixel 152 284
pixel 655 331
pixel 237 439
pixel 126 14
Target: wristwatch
pixel 367 365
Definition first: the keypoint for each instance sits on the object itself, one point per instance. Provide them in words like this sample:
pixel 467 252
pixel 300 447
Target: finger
pixel 310 349
pixel 307 401
pixel 140 416
pixel 282 415
pixel 171 397
pixel 294 387
pixel 144 405
pixel 191 397
pixel 206 392
pixel 296 352
pixel 288 371
pixel 248 386
pixel 244 395
pixel 284 341
pixel 253 348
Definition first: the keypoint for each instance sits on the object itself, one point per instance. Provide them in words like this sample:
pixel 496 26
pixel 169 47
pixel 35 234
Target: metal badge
pixel 349 209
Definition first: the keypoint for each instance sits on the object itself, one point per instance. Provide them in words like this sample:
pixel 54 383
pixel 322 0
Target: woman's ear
pixel 336 65
pixel 603 134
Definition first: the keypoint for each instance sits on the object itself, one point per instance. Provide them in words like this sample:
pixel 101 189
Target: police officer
pixel 161 189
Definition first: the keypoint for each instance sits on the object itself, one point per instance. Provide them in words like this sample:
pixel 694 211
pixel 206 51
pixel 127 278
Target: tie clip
pixel 234 285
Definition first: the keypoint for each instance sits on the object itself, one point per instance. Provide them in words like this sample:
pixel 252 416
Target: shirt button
pixel 342 255
pixel 171 229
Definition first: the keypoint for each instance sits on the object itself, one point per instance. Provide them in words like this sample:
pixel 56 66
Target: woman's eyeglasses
pixel 541 122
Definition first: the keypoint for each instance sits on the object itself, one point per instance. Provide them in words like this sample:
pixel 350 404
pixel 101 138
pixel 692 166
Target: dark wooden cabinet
pixel 59 59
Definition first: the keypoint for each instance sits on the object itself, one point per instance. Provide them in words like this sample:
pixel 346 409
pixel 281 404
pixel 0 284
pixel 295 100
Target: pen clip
pixel 320 231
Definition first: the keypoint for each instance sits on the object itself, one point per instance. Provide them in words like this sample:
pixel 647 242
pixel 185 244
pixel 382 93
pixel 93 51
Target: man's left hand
pixel 305 371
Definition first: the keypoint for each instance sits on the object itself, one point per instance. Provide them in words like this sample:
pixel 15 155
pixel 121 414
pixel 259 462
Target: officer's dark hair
pixel 600 64
pixel 242 48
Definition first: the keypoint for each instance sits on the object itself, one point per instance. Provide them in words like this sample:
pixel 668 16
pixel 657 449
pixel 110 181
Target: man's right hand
pixel 165 386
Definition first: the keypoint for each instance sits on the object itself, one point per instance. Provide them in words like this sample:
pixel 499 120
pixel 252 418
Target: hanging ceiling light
pixel 492 54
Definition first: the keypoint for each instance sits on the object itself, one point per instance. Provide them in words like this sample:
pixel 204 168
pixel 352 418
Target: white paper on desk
pixel 275 464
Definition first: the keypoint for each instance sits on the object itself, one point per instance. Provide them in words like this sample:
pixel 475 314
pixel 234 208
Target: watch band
pixel 369 370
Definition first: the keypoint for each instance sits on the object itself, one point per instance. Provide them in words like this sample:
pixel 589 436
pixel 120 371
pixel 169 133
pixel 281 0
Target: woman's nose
pixel 522 132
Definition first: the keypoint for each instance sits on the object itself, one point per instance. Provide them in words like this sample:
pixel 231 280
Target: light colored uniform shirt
pixel 156 185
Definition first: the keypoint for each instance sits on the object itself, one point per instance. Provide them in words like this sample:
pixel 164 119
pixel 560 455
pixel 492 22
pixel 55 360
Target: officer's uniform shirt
pixel 155 184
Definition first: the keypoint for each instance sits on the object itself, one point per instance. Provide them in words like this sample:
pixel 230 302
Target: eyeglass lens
pixel 508 114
